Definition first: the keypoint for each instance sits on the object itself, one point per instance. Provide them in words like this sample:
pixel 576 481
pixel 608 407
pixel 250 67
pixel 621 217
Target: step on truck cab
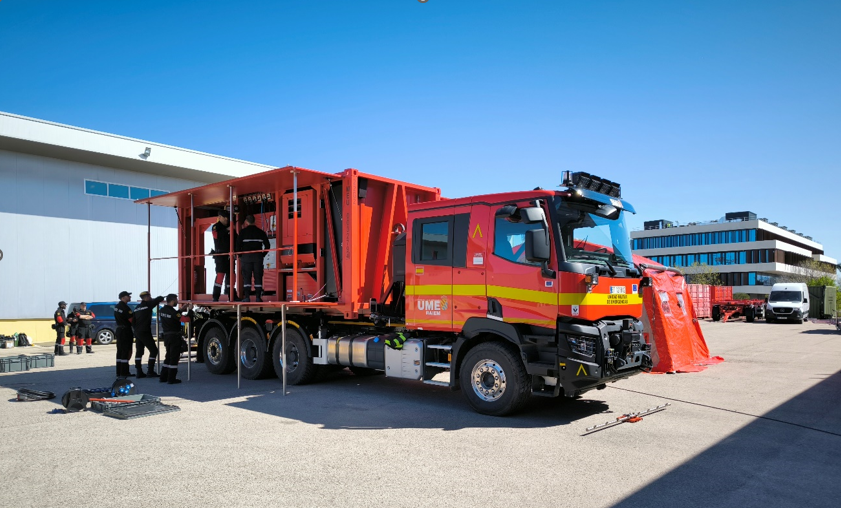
pixel 500 296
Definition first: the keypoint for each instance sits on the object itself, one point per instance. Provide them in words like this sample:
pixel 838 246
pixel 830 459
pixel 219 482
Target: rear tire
pixel 494 380
pixel 253 355
pixel 750 314
pixel 105 336
pixel 716 313
pixel 301 369
pixel 218 352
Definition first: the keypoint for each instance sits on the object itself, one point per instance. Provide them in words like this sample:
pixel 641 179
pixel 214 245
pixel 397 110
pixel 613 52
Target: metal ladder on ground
pixel 442 366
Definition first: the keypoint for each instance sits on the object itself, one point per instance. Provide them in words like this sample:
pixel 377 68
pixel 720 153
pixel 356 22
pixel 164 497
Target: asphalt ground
pixel 761 429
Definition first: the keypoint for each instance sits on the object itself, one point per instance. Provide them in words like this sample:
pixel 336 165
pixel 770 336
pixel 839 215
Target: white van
pixel 788 301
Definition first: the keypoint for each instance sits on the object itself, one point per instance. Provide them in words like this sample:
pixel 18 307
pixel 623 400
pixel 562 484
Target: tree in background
pixel 702 274
pixel 811 272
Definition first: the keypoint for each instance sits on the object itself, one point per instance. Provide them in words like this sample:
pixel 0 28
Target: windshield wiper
pixel 610 267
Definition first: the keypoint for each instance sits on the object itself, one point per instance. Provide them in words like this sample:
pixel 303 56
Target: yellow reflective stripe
pixel 469 290
pixel 594 299
pixel 523 295
pixel 428 321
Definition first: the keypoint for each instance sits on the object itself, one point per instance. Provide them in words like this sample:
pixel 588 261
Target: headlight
pixel 582 345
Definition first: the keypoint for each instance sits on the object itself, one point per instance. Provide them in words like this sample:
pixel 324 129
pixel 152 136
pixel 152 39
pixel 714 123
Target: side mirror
pixel 533 215
pixel 805 300
pixel 537 246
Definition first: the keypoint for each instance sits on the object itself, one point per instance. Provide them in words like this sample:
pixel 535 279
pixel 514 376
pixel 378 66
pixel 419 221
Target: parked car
pixel 104 325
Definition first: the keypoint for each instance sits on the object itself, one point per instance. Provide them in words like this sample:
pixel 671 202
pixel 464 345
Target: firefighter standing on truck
pixel 73 328
pixel 173 339
pixel 143 333
pixel 60 322
pixel 252 238
pixel 125 318
pixel 84 330
pixel 222 245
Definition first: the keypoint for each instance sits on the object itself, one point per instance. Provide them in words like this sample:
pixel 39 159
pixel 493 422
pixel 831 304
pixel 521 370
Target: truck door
pixel 524 291
pixel 429 276
pixel 469 284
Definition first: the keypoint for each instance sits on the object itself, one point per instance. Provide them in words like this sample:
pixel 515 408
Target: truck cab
pixel 551 272
pixel 788 302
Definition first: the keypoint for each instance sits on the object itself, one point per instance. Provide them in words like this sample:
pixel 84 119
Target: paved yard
pixel 761 429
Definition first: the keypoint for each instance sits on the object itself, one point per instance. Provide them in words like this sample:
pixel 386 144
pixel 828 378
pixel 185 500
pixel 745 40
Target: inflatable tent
pixel 669 319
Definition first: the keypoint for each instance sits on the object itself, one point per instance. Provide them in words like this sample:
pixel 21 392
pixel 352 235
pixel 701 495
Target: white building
pixel 69 227
pixel 749 253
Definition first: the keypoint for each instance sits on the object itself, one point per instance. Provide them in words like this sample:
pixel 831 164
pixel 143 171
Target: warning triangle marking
pixel 477 230
pixel 581 369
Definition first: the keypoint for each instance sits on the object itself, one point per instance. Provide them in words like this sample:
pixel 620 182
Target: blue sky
pixel 697 108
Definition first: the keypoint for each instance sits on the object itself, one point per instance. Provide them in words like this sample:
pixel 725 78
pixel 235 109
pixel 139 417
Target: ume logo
pixel 433 307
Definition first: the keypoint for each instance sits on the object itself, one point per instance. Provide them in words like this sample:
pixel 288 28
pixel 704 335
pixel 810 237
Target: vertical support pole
pixel 189 346
pixel 149 247
pixel 283 345
pixel 231 249
pixel 192 273
pixel 236 353
pixel 294 239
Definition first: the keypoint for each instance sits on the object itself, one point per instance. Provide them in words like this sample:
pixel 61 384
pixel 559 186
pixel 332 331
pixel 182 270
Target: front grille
pixel 782 310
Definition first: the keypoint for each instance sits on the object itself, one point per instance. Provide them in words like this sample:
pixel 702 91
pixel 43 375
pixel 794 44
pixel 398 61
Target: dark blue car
pixel 104 324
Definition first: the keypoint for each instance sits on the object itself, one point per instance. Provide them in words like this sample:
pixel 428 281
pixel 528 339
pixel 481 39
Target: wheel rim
pixel 105 337
pixel 248 354
pixel 488 380
pixel 214 350
pixel 293 356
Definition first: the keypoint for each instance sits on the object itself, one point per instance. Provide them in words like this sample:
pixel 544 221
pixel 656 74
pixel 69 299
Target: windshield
pixel 591 238
pixel 784 296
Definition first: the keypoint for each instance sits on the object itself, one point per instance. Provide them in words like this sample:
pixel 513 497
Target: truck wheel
pixel 494 380
pixel 716 313
pixel 750 314
pixel 105 336
pixel 218 352
pixel 253 356
pixel 301 369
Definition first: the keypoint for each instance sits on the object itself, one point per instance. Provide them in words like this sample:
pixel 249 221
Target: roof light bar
pixel 581 180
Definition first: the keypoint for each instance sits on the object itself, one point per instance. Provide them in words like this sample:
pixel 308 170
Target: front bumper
pixel 779 314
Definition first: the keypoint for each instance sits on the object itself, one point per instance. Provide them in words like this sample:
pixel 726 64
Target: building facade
pixel 749 253
pixel 69 227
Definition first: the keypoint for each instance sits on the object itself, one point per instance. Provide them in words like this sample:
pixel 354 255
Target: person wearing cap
pixel 143 333
pixel 125 318
pixel 173 338
pixel 73 328
pixel 60 319
pixel 221 247
pixel 252 238
pixel 84 329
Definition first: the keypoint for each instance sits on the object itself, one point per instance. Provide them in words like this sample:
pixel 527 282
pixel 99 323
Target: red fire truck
pixel 501 296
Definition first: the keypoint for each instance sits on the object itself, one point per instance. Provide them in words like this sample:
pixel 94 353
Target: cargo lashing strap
pixel 27 395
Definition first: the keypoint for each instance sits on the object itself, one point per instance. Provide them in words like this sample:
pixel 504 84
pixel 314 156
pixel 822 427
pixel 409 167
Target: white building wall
pixel 59 243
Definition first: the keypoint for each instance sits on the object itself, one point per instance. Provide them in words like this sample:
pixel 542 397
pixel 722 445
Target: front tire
pixel 494 380
pixel 253 355
pixel 301 369
pixel 105 336
pixel 716 313
pixel 219 354
pixel 750 314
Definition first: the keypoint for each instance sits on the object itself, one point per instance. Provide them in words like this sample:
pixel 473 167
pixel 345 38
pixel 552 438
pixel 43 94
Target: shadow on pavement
pixel 766 463
pixel 342 401
pixel 823 331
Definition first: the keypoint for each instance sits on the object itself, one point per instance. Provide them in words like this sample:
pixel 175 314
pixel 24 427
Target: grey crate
pixel 14 364
pixel 41 361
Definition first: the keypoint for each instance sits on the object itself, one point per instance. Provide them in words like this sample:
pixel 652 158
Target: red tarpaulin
pixel 669 319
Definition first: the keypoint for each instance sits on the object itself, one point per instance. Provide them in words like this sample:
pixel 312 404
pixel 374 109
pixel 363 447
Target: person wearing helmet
pixel 143 333
pixel 125 319
pixel 60 319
